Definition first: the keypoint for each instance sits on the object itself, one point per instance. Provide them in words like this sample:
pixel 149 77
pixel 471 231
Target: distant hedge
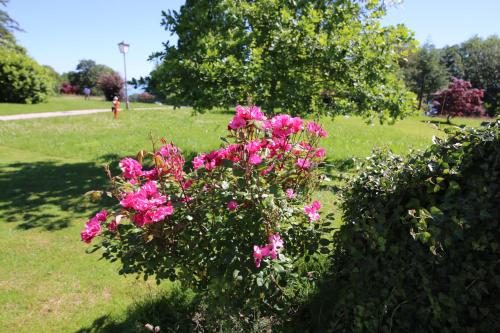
pixel 419 250
pixel 22 79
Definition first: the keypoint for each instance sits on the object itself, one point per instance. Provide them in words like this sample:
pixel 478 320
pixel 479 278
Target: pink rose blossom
pixel 145 198
pixel 199 161
pixel 168 150
pixel 250 113
pixel 154 215
pixel 312 211
pixel 254 159
pixel 275 243
pixel 236 123
pixel 303 163
pixel 233 152
pixel 130 168
pixel 283 125
pixel 256 114
pixel 271 249
pixel 320 153
pixel 232 205
pixel 102 216
pixel 316 129
pixel 112 226
pixel 259 253
pixel 213 159
pixel 92 229
pixel 172 161
pixel 290 193
pixel 278 146
pixel 253 146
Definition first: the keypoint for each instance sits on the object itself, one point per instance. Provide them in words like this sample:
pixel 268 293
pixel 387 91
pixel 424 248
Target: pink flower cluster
pixel 169 162
pixel 148 204
pixel 271 249
pixel 93 226
pixel 245 115
pixel 316 129
pixel 312 211
pixel 211 160
pixel 283 125
pixel 131 168
pixel 256 150
pixel 172 162
pixel 232 205
pixel 266 145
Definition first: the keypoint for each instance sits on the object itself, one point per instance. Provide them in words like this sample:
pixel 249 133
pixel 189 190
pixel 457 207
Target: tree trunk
pixel 421 93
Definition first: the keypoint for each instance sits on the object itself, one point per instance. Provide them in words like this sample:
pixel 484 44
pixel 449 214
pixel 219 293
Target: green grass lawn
pixel 63 103
pixel 47 282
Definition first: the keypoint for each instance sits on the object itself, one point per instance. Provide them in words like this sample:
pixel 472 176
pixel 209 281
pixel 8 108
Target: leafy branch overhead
pixel 328 57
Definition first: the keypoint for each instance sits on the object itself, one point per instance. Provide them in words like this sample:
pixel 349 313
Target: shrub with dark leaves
pixel 111 85
pixel 459 99
pixel 419 250
pixel 67 88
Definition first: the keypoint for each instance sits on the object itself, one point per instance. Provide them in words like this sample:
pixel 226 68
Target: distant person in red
pixel 116 107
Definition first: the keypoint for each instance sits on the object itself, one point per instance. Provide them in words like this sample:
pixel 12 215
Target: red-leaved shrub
pixel 111 85
pixel 459 99
pixel 68 88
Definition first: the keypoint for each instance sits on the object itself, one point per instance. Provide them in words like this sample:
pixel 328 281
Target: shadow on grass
pixel 173 312
pixel 47 194
pixel 437 122
pixel 333 166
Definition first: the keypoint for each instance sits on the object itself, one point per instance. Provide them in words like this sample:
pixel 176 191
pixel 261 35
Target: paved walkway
pixel 62 113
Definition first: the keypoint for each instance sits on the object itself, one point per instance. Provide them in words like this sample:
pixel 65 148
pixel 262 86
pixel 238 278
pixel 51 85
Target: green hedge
pixel 419 250
pixel 22 79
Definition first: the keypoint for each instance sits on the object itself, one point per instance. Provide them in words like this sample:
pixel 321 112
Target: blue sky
pixel 61 32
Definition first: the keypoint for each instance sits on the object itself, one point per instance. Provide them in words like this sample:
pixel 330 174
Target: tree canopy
pixel 299 56
pixel 459 99
pixel 7 23
pixel 87 75
pixel 481 59
pixel 22 79
pixel 424 72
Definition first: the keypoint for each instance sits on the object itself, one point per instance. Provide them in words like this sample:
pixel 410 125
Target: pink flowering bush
pixel 235 221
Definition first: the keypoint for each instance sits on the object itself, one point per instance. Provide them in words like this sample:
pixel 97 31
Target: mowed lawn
pixel 63 103
pixel 47 282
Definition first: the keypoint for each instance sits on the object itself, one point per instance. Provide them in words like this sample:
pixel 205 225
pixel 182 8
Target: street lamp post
pixel 124 50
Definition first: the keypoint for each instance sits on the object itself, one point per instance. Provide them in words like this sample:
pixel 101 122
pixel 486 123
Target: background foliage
pixel 476 60
pixel 22 79
pixel 459 99
pixel 87 75
pixel 424 73
pixel 111 85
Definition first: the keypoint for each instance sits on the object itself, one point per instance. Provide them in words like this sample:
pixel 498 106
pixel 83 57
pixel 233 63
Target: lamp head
pixel 123 47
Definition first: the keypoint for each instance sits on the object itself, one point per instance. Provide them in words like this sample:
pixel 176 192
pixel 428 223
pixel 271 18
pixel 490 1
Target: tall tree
pixel 7 23
pixel 451 58
pixel 424 72
pixel 481 58
pixel 300 56
pixel 22 79
pixel 87 74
